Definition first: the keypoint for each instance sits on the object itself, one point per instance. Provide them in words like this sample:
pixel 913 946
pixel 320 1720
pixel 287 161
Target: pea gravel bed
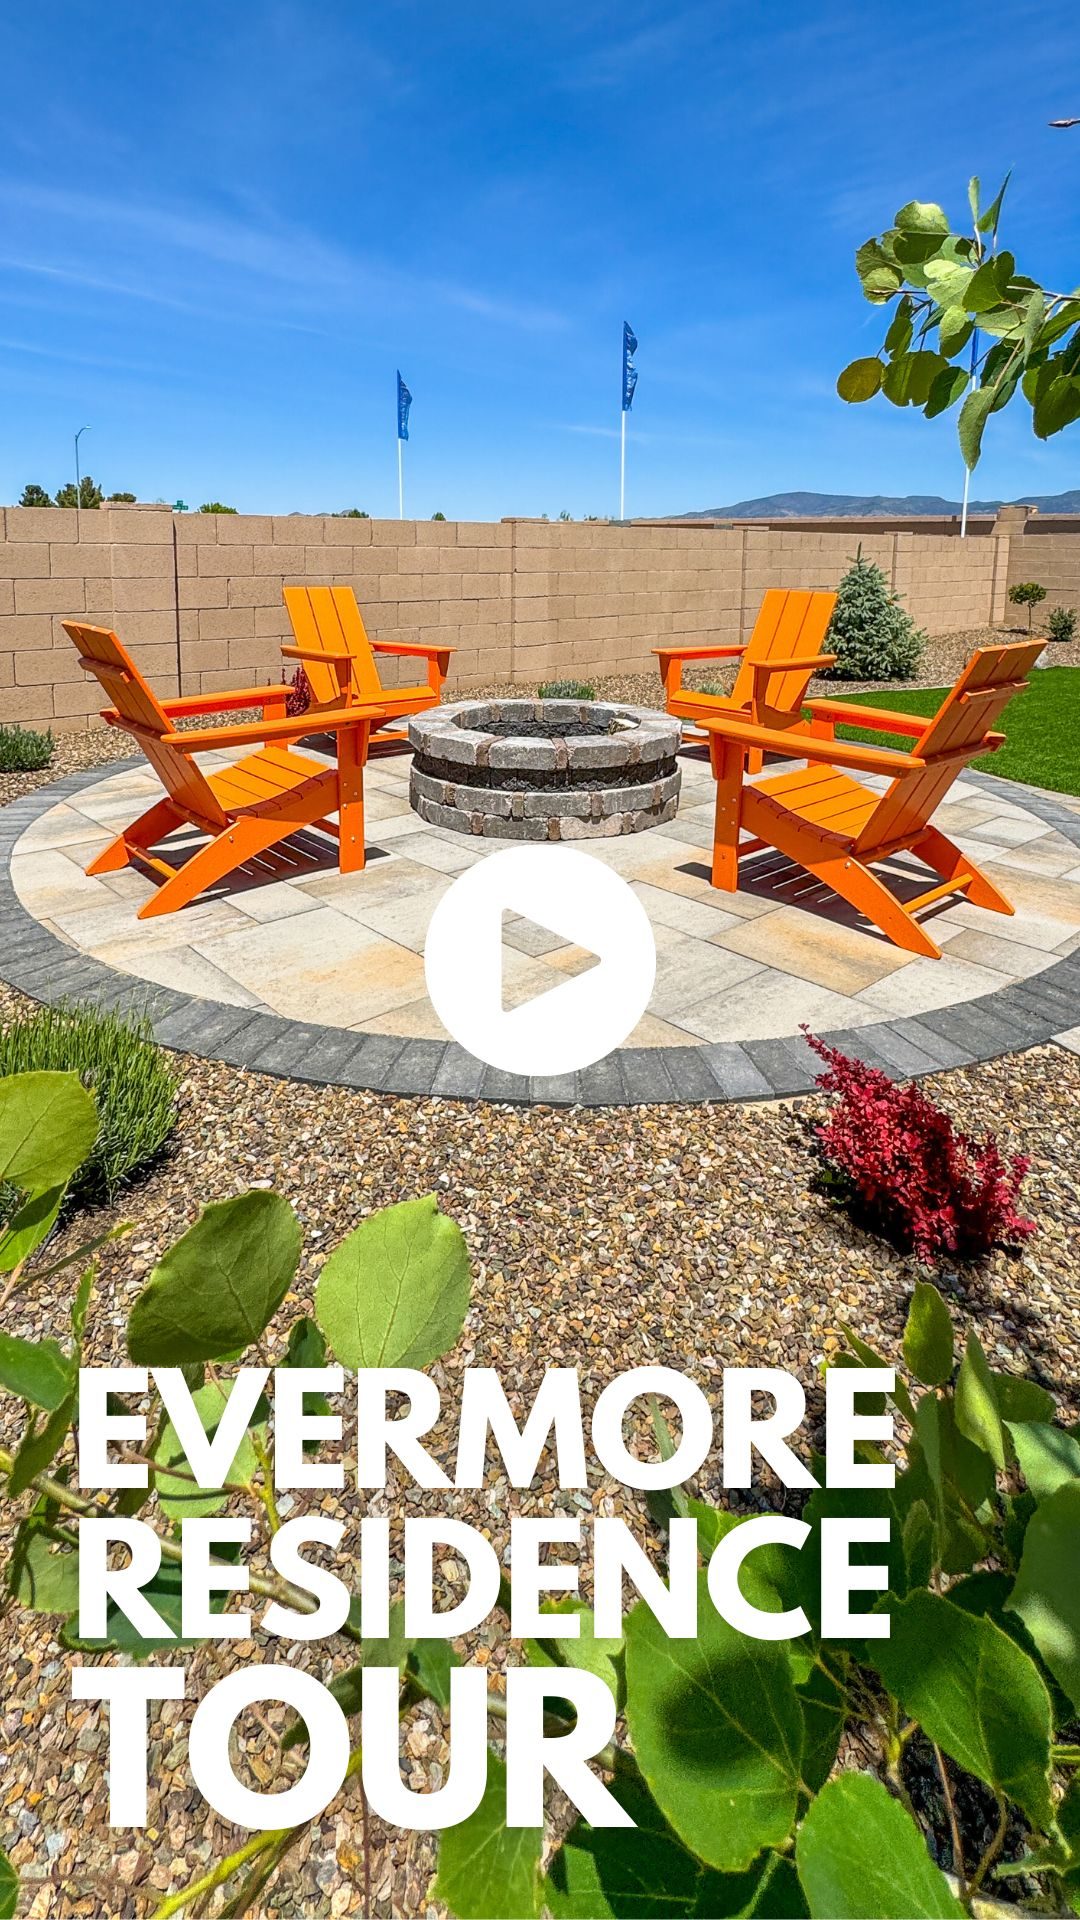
pixel 686 1236
pixel 943 658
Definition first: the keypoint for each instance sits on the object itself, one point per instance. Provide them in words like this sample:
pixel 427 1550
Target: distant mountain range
pixel 829 506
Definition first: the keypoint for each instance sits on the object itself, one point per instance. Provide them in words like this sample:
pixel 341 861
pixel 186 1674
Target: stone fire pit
pixel 544 769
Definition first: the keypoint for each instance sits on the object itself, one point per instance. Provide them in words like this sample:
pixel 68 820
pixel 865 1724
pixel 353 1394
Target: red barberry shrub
pixel 905 1171
pixel 299 699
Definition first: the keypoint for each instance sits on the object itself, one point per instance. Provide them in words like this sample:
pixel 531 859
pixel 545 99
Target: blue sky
pixel 222 228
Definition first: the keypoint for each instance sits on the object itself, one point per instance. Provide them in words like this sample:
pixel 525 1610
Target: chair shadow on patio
pixel 770 876
pixel 303 856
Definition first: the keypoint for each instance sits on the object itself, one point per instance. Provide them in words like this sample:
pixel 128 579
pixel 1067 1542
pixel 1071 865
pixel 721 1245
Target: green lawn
pixel 1041 727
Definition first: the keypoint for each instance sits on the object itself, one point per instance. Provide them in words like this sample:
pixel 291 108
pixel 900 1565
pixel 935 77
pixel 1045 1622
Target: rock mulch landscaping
pixel 942 660
pixel 686 1236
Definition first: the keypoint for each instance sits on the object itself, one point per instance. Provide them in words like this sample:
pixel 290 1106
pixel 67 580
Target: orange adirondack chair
pixel 246 809
pixel 838 829
pixel 777 664
pixel 334 649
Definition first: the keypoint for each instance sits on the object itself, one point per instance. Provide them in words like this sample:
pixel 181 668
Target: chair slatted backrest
pixel 791 624
pixel 328 619
pixel 141 713
pixel 955 736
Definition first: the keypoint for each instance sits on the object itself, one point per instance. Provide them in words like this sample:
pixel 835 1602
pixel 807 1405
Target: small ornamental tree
pixel 1061 624
pixel 1029 594
pixel 870 633
pixel 965 326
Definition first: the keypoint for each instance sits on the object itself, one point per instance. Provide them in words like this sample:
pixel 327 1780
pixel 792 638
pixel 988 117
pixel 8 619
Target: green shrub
pixel 24 751
pixel 871 635
pixel 567 690
pixel 132 1079
pixel 1061 624
pixel 1029 594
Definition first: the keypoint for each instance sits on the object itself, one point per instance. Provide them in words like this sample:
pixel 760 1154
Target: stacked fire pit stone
pixel 544 769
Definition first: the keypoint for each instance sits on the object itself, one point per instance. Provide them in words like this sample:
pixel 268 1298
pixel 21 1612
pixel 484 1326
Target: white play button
pixel 572 1022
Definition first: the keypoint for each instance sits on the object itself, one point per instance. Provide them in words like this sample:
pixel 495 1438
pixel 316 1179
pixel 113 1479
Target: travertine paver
pixel 737 974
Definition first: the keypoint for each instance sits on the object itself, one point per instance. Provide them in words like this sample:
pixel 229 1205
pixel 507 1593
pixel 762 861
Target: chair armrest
pixel 253 733
pixel 815 662
pixel 317 654
pixel 847 713
pixel 409 647
pixel 699 653
pixel 763 670
pixel 188 706
pixel 733 729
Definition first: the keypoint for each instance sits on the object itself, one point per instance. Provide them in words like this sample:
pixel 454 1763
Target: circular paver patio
pixel 295 969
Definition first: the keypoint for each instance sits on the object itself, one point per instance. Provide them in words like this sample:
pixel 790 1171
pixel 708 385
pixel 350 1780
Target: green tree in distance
pixel 35 496
pixel 965 325
pixel 122 499
pixel 215 506
pixel 90 494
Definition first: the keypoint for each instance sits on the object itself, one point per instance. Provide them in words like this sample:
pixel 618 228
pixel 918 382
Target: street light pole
pixel 78 437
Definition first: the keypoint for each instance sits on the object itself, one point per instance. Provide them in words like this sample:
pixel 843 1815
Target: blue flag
pixel 629 371
pixel 404 402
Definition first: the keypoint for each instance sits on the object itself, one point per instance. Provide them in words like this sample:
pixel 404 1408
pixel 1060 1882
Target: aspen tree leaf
pixel 487 1870
pixel 48 1124
pixel 396 1292
pixel 975 1693
pixel 1047 1591
pixel 858 1853
pixel 717 1731
pixel 215 1291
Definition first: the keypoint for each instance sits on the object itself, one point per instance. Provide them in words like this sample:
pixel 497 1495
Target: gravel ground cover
pixel 942 660
pixel 672 1235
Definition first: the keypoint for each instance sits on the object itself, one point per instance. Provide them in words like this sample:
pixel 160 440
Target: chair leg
pixel 242 840
pixel 352 756
pixel 947 860
pixel 144 833
pixel 727 767
pixel 831 861
pixel 870 896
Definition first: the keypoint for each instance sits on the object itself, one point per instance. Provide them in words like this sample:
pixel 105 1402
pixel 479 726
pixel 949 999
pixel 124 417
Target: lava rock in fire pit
pixel 544 769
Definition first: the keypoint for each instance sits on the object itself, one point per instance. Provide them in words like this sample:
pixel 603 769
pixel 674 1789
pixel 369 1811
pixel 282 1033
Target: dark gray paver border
pixel 1024 1015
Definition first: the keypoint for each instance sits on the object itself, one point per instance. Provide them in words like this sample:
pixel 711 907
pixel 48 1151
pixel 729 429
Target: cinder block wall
pixel 198 597
pixel 1049 551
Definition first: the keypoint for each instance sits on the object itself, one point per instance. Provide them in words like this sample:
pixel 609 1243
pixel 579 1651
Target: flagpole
pixel 400 482
pixel 622 469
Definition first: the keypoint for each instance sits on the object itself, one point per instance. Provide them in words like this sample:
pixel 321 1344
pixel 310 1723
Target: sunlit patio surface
pixel 294 938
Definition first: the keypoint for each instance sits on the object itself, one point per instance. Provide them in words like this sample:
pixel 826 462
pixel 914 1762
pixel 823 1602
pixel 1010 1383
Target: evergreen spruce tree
pixel 870 633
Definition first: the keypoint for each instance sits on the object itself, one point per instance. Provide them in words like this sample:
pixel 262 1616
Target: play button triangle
pixel 585 959
pixel 576 908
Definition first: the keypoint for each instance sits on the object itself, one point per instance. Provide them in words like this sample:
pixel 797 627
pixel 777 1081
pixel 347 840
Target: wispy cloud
pixel 147 251
pixel 622 57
